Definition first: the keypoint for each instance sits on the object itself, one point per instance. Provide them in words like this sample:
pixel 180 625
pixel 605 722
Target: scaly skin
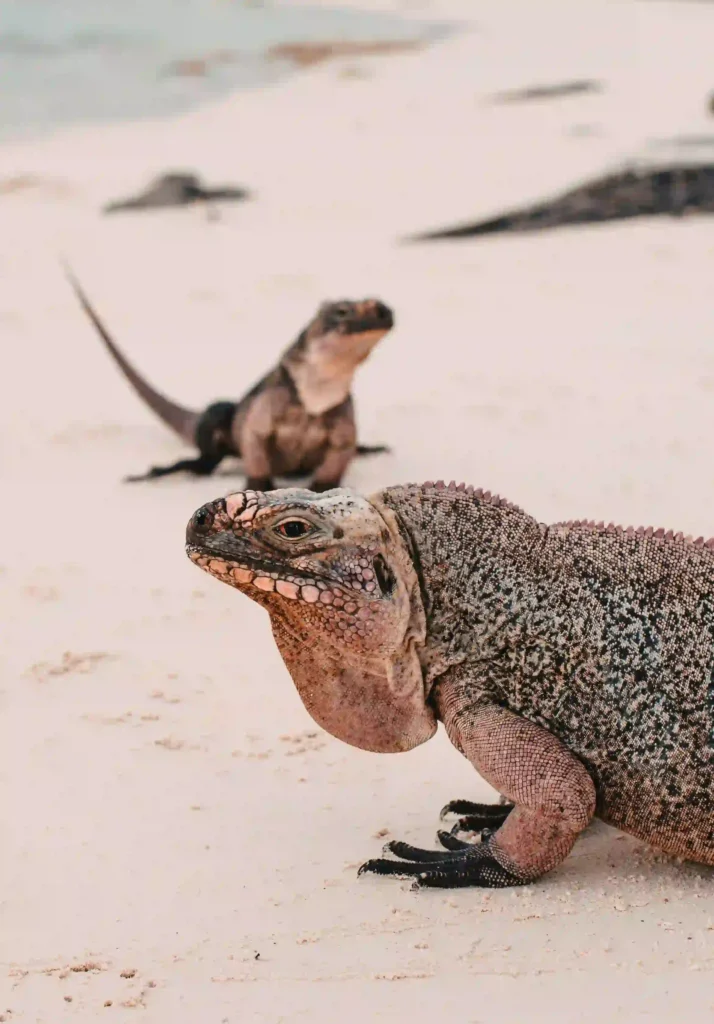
pixel 297 420
pixel 571 664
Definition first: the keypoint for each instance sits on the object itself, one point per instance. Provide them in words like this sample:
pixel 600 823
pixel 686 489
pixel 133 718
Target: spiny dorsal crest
pixel 638 531
pixel 476 492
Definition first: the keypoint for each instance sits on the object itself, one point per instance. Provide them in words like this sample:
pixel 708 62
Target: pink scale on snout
pixel 327 597
pixel 264 583
pixel 350 607
pixel 367 574
pixel 242 575
pixel 310 594
pixel 235 504
pixel 287 589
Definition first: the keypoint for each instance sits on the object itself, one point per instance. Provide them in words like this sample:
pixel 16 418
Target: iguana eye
pixel 293 529
pixel 342 311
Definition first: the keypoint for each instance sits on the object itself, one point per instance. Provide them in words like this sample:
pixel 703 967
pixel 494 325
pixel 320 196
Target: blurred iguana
pixel 298 419
pixel 622 195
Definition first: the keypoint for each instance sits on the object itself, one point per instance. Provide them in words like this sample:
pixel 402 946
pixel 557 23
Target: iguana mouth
pixel 381 320
pixel 247 570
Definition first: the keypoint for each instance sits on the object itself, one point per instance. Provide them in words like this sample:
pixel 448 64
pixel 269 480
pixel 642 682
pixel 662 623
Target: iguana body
pixel 574 87
pixel 176 189
pixel 298 419
pixel 571 664
pixel 649 192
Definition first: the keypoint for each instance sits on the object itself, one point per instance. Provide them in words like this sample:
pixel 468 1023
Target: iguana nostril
pixel 202 520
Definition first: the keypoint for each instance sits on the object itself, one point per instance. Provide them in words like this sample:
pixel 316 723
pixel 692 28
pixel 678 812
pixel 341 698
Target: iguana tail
pixel 507 222
pixel 182 421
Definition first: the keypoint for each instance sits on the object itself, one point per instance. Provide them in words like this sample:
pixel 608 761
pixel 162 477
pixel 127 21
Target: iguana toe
pixel 382 866
pixel 476 817
pixel 450 841
pixel 462 807
pixel 415 853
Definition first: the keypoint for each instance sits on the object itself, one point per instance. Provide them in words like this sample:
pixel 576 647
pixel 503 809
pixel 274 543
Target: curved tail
pixel 182 421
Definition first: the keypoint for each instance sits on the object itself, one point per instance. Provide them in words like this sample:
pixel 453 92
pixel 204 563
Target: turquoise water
pixel 63 61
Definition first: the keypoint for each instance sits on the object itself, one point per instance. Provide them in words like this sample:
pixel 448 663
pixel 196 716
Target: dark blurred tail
pixel 182 421
pixel 507 222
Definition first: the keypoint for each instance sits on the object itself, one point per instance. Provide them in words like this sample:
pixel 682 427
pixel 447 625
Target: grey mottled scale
pixel 604 637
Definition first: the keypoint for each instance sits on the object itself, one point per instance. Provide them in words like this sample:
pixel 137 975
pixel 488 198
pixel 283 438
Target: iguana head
pixel 324 358
pixel 337 579
pixel 348 328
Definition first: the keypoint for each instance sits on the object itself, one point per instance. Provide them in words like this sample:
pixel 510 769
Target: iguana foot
pixel 151 474
pixel 465 864
pixel 201 466
pixel 259 483
pixel 326 485
pixel 476 817
pixel 372 449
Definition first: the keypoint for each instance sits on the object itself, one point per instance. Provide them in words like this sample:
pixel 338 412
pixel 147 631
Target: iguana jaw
pixel 344 604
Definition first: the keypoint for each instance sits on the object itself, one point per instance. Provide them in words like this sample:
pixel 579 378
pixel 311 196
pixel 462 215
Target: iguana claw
pixel 474 864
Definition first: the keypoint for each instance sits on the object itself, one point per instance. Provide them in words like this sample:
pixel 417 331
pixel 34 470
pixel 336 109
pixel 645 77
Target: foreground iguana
pixel 645 192
pixel 298 419
pixel 571 664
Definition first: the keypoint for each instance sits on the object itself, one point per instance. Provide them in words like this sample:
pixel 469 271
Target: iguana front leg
pixel 553 794
pixel 341 449
pixel 253 443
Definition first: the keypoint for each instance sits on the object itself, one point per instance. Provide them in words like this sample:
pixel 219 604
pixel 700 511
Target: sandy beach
pixel 179 839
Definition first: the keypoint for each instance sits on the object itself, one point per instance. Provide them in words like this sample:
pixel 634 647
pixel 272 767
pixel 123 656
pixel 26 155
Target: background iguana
pixel 571 664
pixel 296 420
pixel 176 189
pixel 637 192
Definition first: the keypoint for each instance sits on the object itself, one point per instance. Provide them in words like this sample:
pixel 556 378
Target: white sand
pixel 170 808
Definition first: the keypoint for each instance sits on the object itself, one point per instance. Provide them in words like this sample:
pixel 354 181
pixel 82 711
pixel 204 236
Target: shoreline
pixel 111 66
